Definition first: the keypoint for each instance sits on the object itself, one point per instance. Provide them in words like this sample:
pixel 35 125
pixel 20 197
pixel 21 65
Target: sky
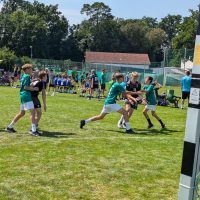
pixel 126 8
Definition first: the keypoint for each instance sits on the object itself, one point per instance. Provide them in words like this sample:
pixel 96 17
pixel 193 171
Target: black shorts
pixel 103 86
pixel 133 106
pixel 36 102
pixel 95 87
pixel 185 95
pixel 51 85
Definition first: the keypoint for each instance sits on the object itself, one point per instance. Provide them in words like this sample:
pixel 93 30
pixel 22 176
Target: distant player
pixel 151 102
pixel 26 100
pixel 185 86
pixel 51 80
pixel 41 84
pixel 110 104
pixel 94 83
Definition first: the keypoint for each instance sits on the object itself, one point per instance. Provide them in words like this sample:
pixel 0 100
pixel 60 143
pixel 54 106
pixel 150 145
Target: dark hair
pixel 118 76
pixel 42 74
pixel 150 78
pixel 187 73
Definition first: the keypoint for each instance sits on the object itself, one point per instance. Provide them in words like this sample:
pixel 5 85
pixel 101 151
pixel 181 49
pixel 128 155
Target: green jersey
pixel 115 90
pixel 103 78
pixel 150 96
pixel 25 95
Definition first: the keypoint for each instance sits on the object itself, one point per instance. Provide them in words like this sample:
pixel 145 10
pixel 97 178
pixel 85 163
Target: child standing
pixel 151 102
pixel 26 101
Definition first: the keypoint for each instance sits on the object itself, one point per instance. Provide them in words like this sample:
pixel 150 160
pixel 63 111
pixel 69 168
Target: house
pixel 121 61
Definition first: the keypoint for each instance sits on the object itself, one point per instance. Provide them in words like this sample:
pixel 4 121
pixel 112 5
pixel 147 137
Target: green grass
pixel 98 162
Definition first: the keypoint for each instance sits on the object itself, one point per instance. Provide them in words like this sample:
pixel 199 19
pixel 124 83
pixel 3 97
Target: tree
pixel 170 25
pixel 186 32
pixel 97 12
pixel 8 58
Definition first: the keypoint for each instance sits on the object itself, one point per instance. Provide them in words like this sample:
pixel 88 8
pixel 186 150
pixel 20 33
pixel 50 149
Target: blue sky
pixel 127 8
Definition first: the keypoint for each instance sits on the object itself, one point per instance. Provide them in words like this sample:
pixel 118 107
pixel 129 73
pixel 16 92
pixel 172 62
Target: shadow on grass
pixel 150 132
pixel 56 134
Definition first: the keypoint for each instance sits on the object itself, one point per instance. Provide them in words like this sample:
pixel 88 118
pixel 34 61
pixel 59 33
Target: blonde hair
pixel 27 66
pixel 134 74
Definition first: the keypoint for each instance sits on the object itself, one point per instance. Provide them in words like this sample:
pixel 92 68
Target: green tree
pixel 170 25
pixel 8 58
pixel 187 32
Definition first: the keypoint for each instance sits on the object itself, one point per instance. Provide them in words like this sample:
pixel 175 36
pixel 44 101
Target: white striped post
pixel 191 150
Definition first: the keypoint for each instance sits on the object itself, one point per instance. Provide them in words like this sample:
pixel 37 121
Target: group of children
pixel 132 92
pixel 91 83
pixel 31 85
pixel 61 83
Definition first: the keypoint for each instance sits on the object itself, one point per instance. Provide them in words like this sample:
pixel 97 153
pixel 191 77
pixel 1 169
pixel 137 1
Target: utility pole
pixel 191 150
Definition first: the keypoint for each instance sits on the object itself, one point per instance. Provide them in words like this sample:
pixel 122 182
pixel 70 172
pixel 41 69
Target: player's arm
pixel 30 88
pixel 44 98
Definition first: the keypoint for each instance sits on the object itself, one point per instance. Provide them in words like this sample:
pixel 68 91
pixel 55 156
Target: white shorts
pixel 151 107
pixel 111 108
pixel 27 106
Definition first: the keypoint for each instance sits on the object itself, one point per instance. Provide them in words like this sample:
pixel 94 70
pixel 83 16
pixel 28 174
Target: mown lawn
pixel 98 162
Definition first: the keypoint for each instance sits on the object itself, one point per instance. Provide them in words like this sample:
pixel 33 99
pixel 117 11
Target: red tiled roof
pixel 117 58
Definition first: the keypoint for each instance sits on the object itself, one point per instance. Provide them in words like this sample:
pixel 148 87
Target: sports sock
pixel 149 121
pixel 87 121
pixel 11 124
pixel 161 122
pixel 122 119
pixel 128 127
pixel 33 127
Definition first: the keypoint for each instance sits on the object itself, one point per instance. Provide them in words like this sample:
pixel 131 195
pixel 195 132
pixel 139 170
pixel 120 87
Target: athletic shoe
pixel 164 126
pixel 130 131
pixel 11 130
pixel 150 126
pixel 82 123
pixel 34 133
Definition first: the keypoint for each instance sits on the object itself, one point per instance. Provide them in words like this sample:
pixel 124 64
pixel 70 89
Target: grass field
pixel 99 162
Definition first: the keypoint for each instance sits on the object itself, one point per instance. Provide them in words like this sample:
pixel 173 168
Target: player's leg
pixel 126 119
pixel 156 116
pixel 145 113
pixel 92 119
pixel 15 120
pixel 33 121
pixel 184 97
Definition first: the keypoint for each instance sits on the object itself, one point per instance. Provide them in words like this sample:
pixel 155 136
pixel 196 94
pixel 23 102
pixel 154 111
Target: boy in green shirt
pixel 151 102
pixel 110 104
pixel 26 100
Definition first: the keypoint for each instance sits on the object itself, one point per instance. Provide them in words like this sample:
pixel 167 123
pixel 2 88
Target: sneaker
pixel 150 126
pixel 82 123
pixel 34 133
pixel 11 130
pixel 130 131
pixel 163 126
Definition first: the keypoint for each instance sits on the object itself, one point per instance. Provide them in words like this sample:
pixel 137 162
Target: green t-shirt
pixel 115 90
pixel 150 96
pixel 103 78
pixel 25 95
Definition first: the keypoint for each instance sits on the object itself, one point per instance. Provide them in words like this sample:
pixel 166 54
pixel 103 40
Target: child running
pixel 26 101
pixel 151 102
pixel 110 104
